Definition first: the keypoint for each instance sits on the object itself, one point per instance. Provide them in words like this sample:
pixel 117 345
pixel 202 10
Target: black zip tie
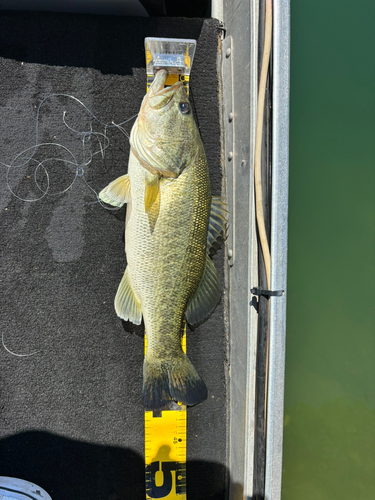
pixel 259 291
pixel 222 28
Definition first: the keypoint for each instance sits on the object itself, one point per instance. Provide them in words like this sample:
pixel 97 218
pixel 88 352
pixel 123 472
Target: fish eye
pixel 184 107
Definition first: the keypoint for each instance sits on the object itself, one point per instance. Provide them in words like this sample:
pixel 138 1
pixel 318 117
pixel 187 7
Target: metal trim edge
pixel 279 234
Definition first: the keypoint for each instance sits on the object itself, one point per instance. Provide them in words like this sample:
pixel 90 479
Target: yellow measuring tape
pixel 165 450
pixel 165 431
pixel 175 55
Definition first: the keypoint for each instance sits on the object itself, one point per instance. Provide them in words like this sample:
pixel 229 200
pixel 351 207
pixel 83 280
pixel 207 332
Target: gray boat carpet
pixel 71 417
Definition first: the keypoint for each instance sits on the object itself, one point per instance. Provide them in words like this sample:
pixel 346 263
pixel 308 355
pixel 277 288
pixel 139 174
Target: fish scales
pixel 171 224
pixel 166 264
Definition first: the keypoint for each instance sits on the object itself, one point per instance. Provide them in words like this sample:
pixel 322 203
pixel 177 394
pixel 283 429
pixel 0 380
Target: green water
pixel 329 433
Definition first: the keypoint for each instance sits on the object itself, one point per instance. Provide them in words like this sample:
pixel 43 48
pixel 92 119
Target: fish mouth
pixel 157 87
pixel 149 147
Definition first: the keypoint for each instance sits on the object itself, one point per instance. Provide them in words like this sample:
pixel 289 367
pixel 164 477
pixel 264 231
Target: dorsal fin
pixel 218 221
pixel 207 295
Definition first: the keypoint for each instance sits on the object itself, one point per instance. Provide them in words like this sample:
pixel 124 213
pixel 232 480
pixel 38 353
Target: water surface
pixel 329 433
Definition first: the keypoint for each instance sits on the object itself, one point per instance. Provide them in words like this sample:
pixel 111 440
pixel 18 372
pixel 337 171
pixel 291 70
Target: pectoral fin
pixel 117 192
pixel 151 190
pixel 207 295
pixel 126 304
pixel 217 222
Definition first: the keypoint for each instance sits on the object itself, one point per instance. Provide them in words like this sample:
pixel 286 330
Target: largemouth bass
pixel 171 224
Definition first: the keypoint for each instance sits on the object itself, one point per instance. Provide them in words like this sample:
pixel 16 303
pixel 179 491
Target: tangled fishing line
pixel 92 143
pixel 39 158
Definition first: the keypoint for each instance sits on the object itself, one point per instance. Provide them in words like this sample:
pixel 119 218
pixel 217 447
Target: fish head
pixel 165 137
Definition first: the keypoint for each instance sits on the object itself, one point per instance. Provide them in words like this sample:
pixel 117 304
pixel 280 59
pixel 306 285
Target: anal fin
pixel 117 192
pixel 207 295
pixel 126 304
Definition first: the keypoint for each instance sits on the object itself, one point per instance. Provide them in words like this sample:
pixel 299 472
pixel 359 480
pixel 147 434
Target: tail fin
pixel 172 380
